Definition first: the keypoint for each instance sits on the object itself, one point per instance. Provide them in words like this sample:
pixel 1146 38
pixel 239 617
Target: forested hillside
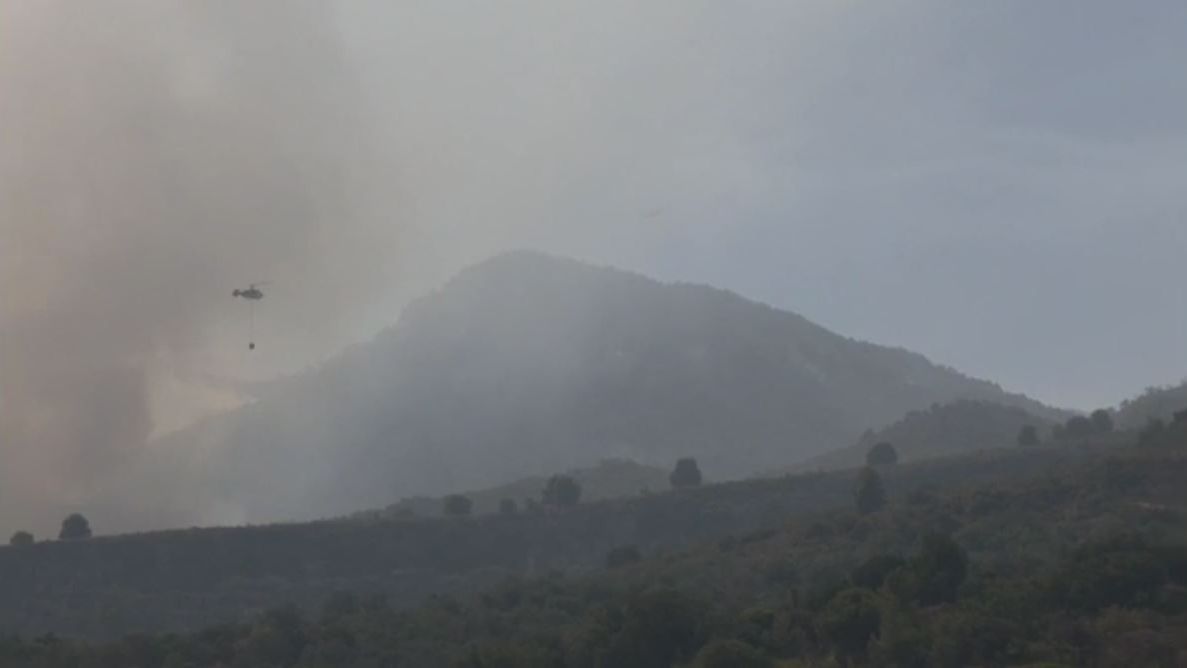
pixel 529 364
pixel 610 479
pixel 1080 562
pixel 185 579
pixel 948 429
pixel 1156 403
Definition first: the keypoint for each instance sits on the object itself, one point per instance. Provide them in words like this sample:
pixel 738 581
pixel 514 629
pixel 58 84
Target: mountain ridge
pixel 527 363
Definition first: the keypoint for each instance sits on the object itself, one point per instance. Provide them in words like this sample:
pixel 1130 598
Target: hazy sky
pixel 999 185
pixel 1002 186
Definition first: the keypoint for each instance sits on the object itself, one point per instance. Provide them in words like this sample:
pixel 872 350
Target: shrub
pixel 874 571
pixel 731 654
pixel 850 620
pixel 622 556
pixel 686 474
pixel 869 493
pixel 562 491
pixel 75 527
pixel 1028 436
pixel 882 455
pixel 457 505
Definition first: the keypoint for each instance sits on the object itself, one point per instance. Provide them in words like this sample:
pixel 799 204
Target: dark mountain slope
pixel 529 364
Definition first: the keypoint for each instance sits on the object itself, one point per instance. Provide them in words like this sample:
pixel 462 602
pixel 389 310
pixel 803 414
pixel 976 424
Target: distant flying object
pixel 252 294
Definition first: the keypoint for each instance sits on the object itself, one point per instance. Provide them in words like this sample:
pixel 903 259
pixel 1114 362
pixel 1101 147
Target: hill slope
pixel 1156 403
pixel 529 364
pixel 947 429
pixel 185 579
pixel 610 479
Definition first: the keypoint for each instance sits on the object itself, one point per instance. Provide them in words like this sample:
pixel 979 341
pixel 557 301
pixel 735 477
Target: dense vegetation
pixel 1084 564
pixel 1156 403
pixel 187 579
pixel 944 429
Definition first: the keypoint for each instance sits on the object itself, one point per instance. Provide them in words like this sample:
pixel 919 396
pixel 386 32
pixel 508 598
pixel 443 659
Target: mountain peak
pixel 528 363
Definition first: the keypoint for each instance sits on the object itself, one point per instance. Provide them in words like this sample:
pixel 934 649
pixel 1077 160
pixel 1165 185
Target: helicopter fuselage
pixel 250 293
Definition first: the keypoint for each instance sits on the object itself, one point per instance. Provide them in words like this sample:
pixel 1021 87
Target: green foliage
pixel 1159 434
pixel 658 628
pixel 75 527
pixel 851 619
pixel 1113 573
pixel 562 491
pixel 882 455
pixel 1028 436
pixel 959 427
pixel 277 639
pixel 934 575
pixel 903 640
pixel 1020 587
pixel 512 655
pixel 21 538
pixel 1078 427
pixel 508 507
pixel 1033 572
pixel 457 505
pixel 686 474
pixel 869 492
pixel 1102 421
pixel 1156 403
pixel 608 479
pixel 938 570
pixel 874 571
pixel 622 556
pixel 731 654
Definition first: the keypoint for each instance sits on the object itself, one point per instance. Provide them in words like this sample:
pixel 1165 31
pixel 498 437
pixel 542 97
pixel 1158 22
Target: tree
pixel 1028 436
pixel 622 556
pixel 881 455
pixel 562 491
pixel 75 527
pixel 1151 432
pixel 731 654
pixel 508 507
pixel 660 627
pixel 874 571
pixel 686 474
pixel 1102 422
pixel 21 538
pixel 1079 427
pixel 940 568
pixel 850 620
pixel 457 505
pixel 869 493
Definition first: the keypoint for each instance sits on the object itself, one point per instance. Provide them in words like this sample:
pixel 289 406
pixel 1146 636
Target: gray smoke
pixel 154 156
pixel 921 173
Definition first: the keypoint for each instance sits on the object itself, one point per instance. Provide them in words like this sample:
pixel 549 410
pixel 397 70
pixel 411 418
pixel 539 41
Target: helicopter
pixel 252 294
